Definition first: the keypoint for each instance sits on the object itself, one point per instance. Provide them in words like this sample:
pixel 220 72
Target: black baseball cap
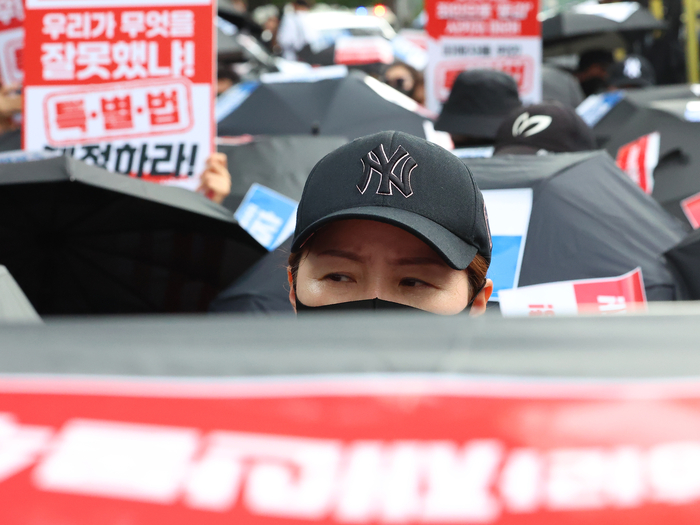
pixel 633 71
pixel 402 180
pixel 550 126
pixel 478 102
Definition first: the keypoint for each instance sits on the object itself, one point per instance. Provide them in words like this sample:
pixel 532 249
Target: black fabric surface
pixel 81 240
pixel 345 107
pixel 281 163
pixel 589 220
pixel 684 259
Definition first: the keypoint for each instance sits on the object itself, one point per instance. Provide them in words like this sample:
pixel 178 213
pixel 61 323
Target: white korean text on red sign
pixel 122 84
pixel 486 34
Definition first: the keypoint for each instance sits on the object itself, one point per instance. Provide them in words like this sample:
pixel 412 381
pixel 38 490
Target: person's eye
pixel 413 283
pixel 338 278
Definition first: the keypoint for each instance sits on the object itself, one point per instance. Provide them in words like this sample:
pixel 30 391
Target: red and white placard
pixel 122 84
pixel 639 158
pixel 488 34
pixel 354 50
pixel 614 295
pixel 691 209
pixel 389 449
pixel 11 42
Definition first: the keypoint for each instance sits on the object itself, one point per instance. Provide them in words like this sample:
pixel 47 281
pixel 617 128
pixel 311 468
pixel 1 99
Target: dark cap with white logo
pixel 402 180
pixel 551 126
pixel 634 71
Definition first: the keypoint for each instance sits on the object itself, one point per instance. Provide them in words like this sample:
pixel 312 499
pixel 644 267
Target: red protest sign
pixel 502 35
pixel 691 209
pixel 395 449
pixel 639 158
pixel 485 18
pixel 11 42
pixel 125 84
pixel 613 295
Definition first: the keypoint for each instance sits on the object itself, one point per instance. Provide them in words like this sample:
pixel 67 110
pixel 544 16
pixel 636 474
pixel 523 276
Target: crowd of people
pixel 391 220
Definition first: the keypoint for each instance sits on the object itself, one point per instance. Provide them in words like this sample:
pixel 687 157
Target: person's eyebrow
pixel 419 261
pixel 343 254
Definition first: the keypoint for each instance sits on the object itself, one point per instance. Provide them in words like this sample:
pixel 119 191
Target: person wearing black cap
pixel 550 127
pixel 633 72
pixel 388 221
pixel 479 101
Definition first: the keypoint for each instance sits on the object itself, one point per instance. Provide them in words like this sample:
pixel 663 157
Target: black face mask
pixel 593 86
pixel 369 305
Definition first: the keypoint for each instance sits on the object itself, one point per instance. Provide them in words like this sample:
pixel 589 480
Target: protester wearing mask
pixel 550 127
pixel 406 79
pixel 592 72
pixel 390 221
pixel 479 101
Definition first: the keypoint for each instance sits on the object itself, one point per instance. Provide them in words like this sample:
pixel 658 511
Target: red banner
pixel 639 158
pixel 390 449
pixel 485 18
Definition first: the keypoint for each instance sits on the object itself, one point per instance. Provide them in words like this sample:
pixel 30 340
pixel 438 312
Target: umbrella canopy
pixel 670 99
pixel 81 240
pixel 262 289
pixel 281 163
pixel 14 305
pixel 643 111
pixel 684 260
pixel 346 106
pixel 591 18
pixel 588 219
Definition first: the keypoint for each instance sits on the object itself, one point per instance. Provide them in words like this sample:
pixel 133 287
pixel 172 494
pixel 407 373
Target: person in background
pixel 478 102
pixel 10 108
pixel 592 72
pixel 406 79
pixel 268 17
pixel 633 72
pixel 291 36
pixel 226 77
pixel 390 221
pixel 550 127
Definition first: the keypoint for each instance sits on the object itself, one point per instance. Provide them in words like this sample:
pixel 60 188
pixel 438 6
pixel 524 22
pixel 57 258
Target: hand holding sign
pixel 215 181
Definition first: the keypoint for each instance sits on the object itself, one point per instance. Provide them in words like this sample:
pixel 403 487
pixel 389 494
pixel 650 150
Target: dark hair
pixel 476 272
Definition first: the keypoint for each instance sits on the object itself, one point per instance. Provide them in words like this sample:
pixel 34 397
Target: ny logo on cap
pixel 394 171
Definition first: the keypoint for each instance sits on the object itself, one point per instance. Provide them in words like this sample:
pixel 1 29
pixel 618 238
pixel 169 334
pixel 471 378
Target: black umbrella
pixel 670 99
pixel 588 19
pixel 81 240
pixel 262 289
pixel 11 140
pixel 643 111
pixel 588 220
pixel 684 260
pixel 345 106
pixel 281 163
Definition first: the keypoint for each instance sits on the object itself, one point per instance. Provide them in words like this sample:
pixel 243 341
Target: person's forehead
pixel 367 235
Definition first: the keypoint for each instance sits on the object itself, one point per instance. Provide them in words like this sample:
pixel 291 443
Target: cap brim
pixel 630 82
pixel 515 149
pixel 457 253
pixel 470 125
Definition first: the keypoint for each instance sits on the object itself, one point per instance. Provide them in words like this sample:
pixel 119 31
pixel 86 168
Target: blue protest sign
pixel 269 217
pixel 509 217
pixel 595 107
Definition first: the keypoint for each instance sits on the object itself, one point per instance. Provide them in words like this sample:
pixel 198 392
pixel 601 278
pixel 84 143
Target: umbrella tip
pixel 315 128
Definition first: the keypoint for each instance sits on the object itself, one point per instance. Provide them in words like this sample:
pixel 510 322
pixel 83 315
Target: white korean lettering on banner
pixel 132 80
pixel 356 481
